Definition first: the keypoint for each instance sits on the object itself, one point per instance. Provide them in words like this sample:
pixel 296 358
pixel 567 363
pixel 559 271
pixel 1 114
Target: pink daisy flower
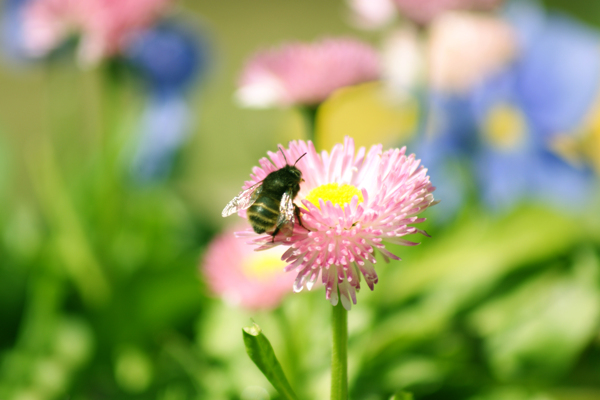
pixel 104 26
pixel 243 277
pixel 47 23
pixel 305 74
pixel 351 204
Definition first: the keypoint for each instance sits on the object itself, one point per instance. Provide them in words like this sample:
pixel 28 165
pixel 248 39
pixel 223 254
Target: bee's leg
pixel 297 214
pixel 275 232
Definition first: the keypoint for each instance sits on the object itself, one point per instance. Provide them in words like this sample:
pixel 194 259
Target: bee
pixel 270 202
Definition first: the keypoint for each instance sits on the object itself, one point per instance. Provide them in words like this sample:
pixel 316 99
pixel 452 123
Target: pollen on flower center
pixel 334 192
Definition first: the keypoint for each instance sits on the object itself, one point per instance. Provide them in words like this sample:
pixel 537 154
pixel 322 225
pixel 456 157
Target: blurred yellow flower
pixel 366 114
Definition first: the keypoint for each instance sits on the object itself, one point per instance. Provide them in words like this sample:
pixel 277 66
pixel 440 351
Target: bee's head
pixel 296 172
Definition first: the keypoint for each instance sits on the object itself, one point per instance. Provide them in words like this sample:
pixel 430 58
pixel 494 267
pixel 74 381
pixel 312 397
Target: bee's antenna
pixel 299 158
pixel 286 161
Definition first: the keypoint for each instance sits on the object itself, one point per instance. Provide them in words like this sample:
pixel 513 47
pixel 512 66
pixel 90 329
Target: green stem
pixel 310 119
pixel 109 193
pixel 111 92
pixel 45 296
pixel 69 237
pixel 339 356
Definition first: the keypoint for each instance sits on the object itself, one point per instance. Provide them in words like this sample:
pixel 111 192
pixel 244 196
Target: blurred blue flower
pixel 165 125
pixel 558 76
pixel 528 19
pixel 531 173
pixel 170 56
pixel 503 130
pixel 547 92
pixel 446 147
pixel 515 161
pixel 12 28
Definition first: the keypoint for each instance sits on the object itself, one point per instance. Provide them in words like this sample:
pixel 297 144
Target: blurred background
pixel 117 157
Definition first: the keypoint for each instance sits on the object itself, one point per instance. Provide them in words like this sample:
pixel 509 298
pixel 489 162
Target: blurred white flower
pixel 403 62
pixel 425 11
pixel 372 14
pixel 462 48
pixel 466 47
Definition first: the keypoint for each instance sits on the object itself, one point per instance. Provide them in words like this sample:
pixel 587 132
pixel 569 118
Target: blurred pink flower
pixel 243 277
pixel 49 22
pixel 306 74
pixel 423 11
pixel 351 203
pixel 103 26
pixel 466 47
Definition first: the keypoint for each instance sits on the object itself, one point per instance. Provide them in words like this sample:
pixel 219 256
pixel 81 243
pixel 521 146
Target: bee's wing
pixel 243 200
pixel 286 219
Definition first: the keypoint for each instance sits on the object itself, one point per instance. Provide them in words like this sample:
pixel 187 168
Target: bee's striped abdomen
pixel 263 213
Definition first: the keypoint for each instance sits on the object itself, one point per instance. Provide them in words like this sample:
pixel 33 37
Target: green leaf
pixel 261 352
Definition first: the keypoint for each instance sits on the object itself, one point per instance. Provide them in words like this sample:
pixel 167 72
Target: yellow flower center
pixel 334 192
pixel 263 266
pixel 505 126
